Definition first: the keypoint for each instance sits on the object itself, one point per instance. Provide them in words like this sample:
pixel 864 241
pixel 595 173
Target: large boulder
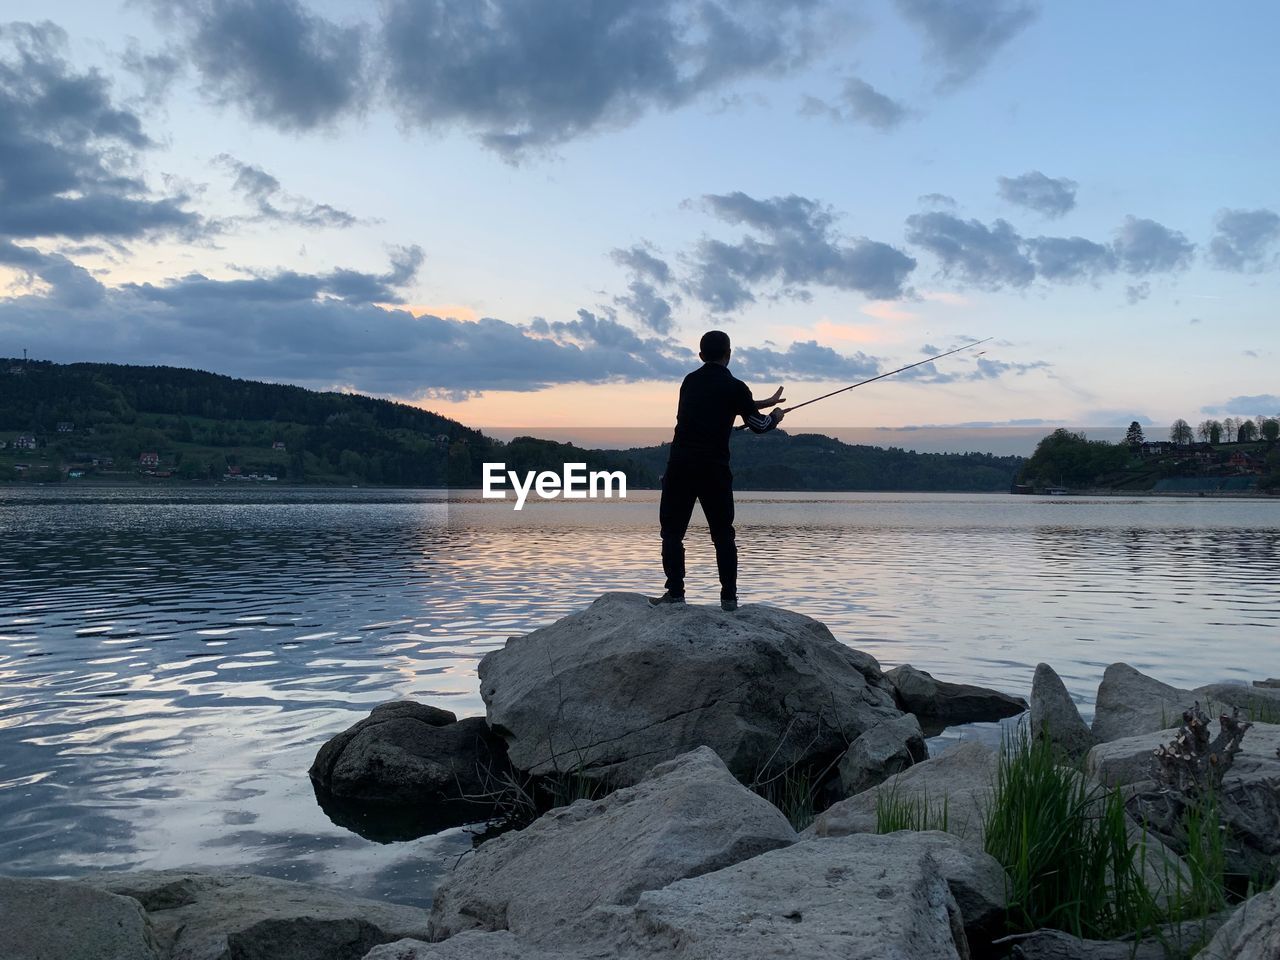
pixel 472 945
pixel 206 916
pixel 1252 933
pixel 607 692
pixel 1056 945
pixel 1248 800
pixel 956 787
pixel 887 748
pixel 406 752
pixel 66 920
pixel 689 816
pixel 1054 714
pixel 1132 703
pixel 861 898
pixel 939 704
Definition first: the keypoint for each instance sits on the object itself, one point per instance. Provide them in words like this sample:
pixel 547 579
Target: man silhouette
pixel 711 398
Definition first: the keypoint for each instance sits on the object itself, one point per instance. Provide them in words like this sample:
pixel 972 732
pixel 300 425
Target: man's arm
pixel 749 410
pixel 772 401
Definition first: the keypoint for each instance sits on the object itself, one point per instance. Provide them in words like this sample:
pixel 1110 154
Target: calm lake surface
pixel 171 659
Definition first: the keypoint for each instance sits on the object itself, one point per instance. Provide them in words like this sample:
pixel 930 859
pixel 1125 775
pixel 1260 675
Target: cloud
pixel 1145 246
pixel 987 257
pixel 937 200
pixel 984 368
pixel 797 248
pixel 68 153
pixel 526 76
pixel 640 259
pixel 646 304
pixel 996 256
pixel 1050 196
pixel 963 37
pixel 1137 292
pixel 69 284
pixel 1244 239
pixel 275 59
pixel 803 360
pixel 1250 406
pixel 265 192
pixel 860 102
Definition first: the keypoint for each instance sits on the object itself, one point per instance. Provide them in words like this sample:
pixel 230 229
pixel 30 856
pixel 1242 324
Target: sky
pixel 524 213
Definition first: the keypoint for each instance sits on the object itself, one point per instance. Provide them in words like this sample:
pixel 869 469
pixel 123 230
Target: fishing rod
pixel 863 383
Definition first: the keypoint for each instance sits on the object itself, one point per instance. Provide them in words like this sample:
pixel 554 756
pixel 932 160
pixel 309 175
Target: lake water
pixel 171 659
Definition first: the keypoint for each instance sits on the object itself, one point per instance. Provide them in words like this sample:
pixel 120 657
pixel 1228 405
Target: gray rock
pixel 975 879
pixel 67 920
pixel 1271 683
pixel 1132 703
pixel 689 816
pixel 858 898
pixel 611 690
pixel 472 945
pixel 959 780
pixel 1056 945
pixel 1248 800
pixel 887 748
pixel 1252 933
pixel 205 916
pixel 938 703
pixel 1054 714
pixel 406 752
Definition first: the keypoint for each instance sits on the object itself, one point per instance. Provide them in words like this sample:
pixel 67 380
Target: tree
pixel 1205 430
pixel 1271 430
pixel 1215 432
pixel 1180 433
pixel 1247 431
pixel 1133 437
pixel 1229 425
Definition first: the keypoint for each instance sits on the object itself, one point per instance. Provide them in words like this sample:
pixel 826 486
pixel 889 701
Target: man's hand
pixel 771 401
pixel 777 415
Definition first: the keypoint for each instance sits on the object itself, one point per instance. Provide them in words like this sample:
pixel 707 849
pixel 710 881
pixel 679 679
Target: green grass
pixel 791 791
pixel 894 812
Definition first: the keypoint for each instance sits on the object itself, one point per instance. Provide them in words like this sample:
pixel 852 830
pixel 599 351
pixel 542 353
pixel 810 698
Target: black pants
pixel 712 486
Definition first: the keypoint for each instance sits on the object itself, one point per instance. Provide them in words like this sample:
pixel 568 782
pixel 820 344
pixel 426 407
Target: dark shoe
pixel 728 604
pixel 666 598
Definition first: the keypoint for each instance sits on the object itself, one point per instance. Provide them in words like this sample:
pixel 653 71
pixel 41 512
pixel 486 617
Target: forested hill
pixel 86 421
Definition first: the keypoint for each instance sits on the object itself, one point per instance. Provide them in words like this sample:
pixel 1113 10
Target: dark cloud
pixel 800 248
pixel 998 256
pixel 860 102
pixel 69 284
pixel 1145 246
pixel 1244 239
pixel 266 194
pixel 526 76
pixel 987 257
pixel 643 301
pixel 984 368
pixel 275 59
pixel 1071 258
pixel 1264 404
pixel 641 260
pixel 1051 196
pixel 68 153
pixel 802 360
pixel 963 37
pixel 937 200
pixel 157 70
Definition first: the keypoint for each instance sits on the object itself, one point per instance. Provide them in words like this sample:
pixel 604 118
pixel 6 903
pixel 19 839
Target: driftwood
pixel 1191 763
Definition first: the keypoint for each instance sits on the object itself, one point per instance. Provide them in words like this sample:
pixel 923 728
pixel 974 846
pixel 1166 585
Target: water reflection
pixel 171 660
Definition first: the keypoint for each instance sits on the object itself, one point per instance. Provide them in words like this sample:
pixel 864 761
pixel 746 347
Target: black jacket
pixel 711 398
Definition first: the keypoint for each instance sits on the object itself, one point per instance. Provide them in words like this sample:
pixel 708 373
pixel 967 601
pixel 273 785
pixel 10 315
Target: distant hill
pixel 116 422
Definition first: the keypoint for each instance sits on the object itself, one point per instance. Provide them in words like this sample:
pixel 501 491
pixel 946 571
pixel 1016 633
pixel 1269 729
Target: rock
pixel 938 704
pixel 976 880
pixel 406 752
pixel 1252 933
pixel 887 748
pixel 609 691
pixel 1056 945
pixel 689 816
pixel 1131 703
pixel 472 945
pixel 1054 714
pixel 1248 800
pixel 861 897
pixel 960 779
pixel 1271 683
pixel 68 920
pixel 205 916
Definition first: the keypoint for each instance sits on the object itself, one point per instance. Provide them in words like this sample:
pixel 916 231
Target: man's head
pixel 714 347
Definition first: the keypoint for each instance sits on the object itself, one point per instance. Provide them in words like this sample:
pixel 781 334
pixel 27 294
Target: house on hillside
pixel 149 460
pixel 1158 448
pixel 25 442
pixel 1245 463
pixel 74 474
pixel 278 445
pixel 102 461
pixel 66 426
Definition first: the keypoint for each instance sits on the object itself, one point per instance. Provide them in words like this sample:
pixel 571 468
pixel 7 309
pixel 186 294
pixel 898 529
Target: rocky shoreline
pixel 734 777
